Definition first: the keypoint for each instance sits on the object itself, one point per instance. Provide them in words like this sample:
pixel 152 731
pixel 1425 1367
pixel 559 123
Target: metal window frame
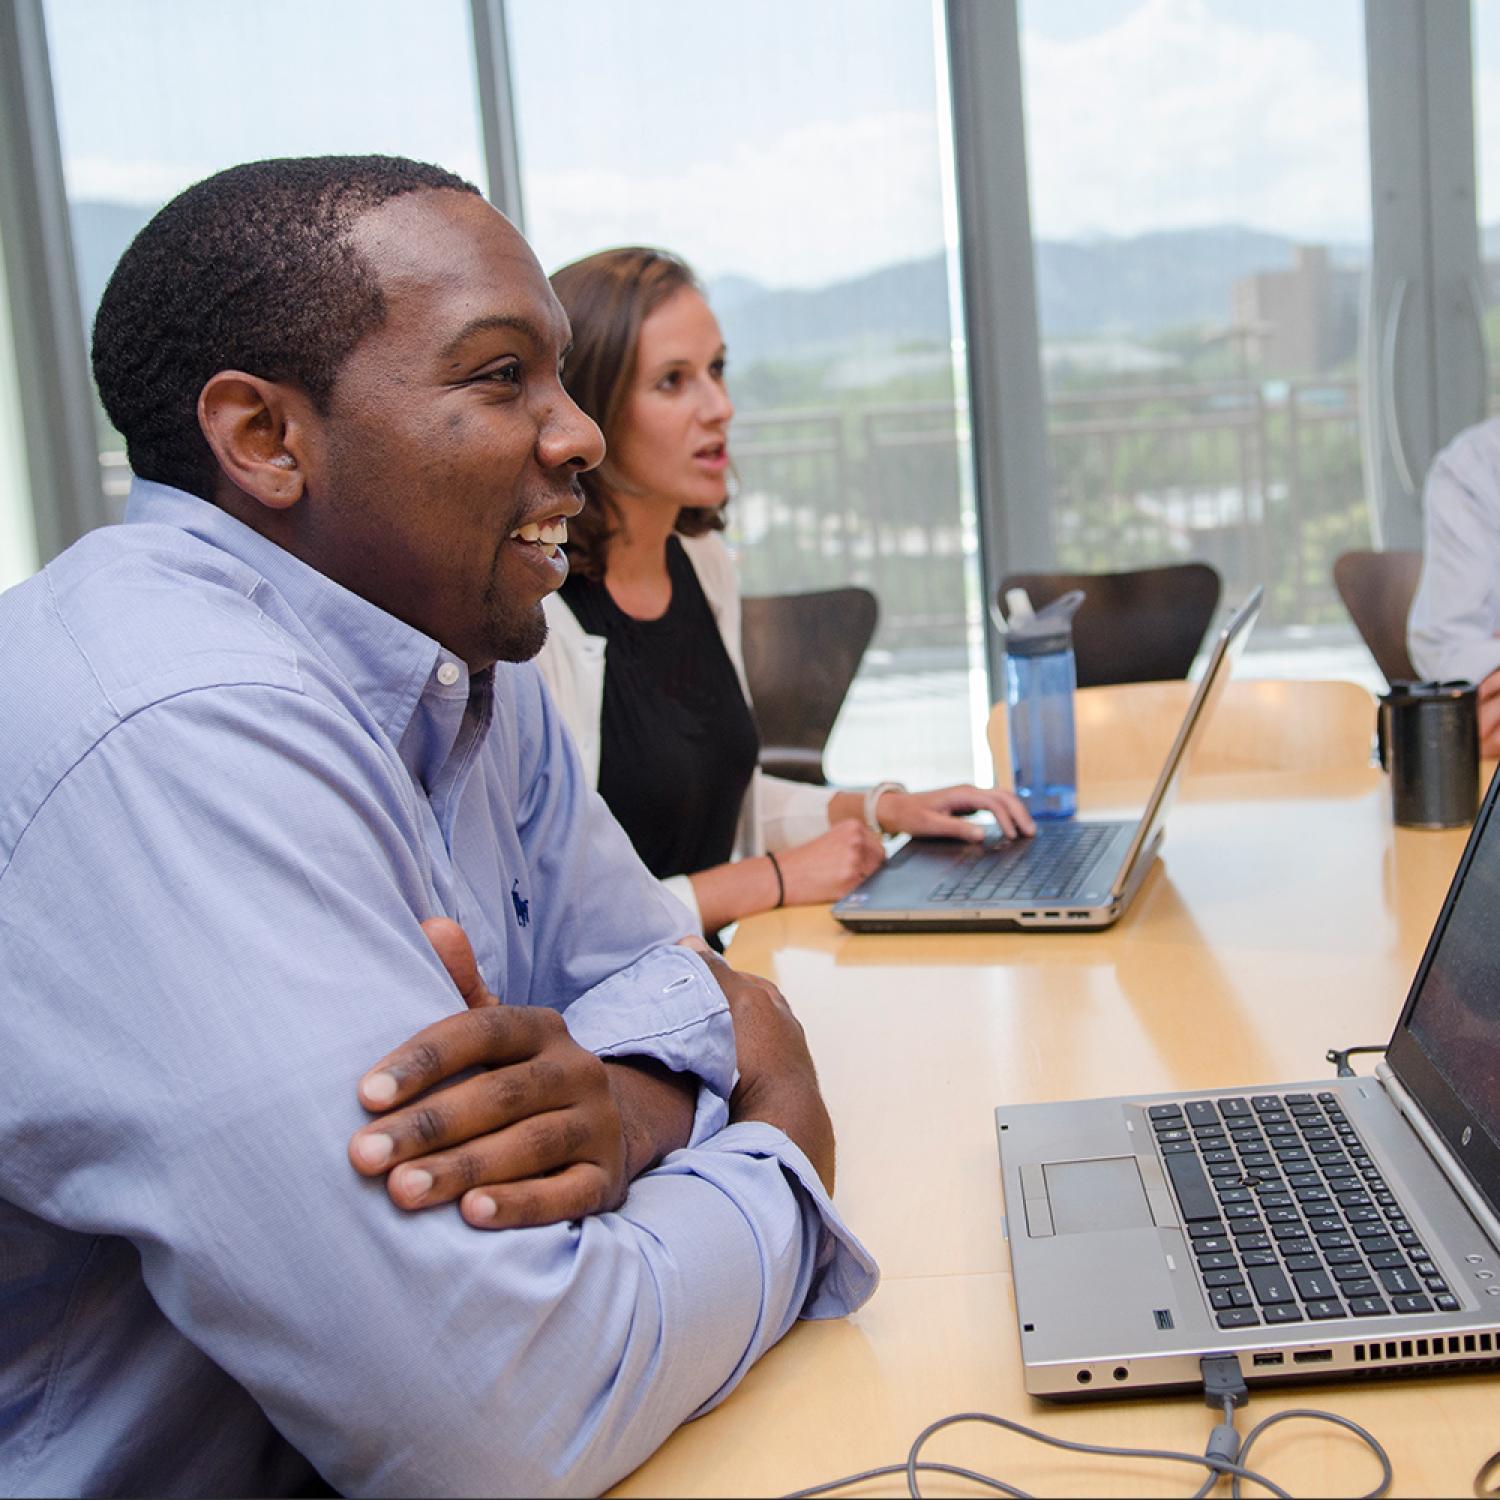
pixel 1424 364
pixel 497 108
pixel 1007 405
pixel 57 407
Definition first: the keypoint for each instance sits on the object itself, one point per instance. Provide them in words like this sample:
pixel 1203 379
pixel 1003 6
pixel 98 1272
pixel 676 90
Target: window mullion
pixel 57 405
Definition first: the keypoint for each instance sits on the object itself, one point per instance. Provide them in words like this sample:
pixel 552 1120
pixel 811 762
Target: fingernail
pixel 374 1150
pixel 379 1088
pixel 480 1207
pixel 415 1182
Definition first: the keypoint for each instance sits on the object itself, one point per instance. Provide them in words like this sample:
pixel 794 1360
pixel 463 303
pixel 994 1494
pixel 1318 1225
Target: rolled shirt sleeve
pixel 667 1007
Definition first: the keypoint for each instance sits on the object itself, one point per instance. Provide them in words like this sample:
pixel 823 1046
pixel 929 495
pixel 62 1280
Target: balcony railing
pixel 1264 482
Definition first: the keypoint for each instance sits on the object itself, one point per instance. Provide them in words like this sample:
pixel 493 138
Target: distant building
pixel 1298 322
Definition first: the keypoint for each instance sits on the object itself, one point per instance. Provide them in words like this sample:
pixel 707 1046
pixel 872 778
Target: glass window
pixel 1200 190
pixel 795 155
pixel 1486 15
pixel 18 557
pixel 152 97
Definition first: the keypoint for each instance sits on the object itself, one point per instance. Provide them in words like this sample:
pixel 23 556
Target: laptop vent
pixel 1454 1349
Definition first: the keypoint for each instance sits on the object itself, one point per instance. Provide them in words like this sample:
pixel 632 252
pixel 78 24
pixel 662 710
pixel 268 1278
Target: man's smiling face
pixel 449 439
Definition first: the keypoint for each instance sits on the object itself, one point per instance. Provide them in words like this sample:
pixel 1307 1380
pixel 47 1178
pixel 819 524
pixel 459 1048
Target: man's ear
pixel 258 432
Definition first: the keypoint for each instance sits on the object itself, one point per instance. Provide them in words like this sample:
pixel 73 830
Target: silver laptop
pixel 1078 874
pixel 1340 1227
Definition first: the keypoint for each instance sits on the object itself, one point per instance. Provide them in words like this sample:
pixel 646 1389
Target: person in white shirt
pixel 1453 631
pixel 643 649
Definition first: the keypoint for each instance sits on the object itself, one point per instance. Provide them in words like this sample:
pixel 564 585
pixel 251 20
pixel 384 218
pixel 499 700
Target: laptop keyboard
pixel 1049 868
pixel 1288 1217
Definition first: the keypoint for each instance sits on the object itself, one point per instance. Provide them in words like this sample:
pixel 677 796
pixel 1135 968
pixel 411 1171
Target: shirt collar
pixel 388 663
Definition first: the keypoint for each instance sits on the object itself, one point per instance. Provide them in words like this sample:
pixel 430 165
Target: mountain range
pixel 1099 288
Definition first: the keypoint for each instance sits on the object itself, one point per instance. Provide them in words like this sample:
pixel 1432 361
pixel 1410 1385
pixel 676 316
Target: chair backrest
pixel 1144 625
pixel 1125 729
pixel 1377 589
pixel 801 654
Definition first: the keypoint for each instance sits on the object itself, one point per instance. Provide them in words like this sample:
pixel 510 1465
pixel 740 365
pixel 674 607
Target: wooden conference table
pixel 1286 915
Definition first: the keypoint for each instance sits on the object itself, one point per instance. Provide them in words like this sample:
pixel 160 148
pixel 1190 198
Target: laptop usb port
pixel 1311 1356
pixel 1268 1359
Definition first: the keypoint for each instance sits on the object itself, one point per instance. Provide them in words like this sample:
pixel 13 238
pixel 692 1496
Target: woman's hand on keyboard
pixel 939 814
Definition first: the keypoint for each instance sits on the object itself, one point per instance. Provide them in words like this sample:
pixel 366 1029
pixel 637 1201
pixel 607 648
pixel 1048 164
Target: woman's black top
pixel 677 743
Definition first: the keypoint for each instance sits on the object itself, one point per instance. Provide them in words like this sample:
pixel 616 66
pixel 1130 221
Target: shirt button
pixel 447 674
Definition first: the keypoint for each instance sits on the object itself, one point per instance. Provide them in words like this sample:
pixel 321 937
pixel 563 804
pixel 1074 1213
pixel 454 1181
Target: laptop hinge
pixel 1448 1163
pixel 1134 871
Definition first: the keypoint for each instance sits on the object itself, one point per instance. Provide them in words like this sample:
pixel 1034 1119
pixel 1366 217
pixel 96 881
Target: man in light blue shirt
pixel 250 742
pixel 1453 631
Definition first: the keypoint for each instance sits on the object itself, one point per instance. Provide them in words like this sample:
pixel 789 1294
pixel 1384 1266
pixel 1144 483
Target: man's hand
pixel 1489 716
pixel 547 1133
pixel 778 1083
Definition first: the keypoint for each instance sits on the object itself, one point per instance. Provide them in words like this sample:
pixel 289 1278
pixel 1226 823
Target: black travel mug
pixel 1428 733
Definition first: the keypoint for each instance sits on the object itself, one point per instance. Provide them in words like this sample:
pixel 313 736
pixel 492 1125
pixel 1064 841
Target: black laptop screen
pixel 1453 1013
pixel 1457 1020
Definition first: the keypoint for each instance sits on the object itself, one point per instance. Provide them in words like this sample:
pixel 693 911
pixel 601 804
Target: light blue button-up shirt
pixel 229 792
pixel 1452 630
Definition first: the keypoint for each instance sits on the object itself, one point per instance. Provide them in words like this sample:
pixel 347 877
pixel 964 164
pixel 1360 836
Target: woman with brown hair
pixel 643 648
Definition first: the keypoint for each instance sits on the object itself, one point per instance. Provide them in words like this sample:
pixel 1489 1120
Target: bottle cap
pixel 1018 603
pixel 1050 629
pixel 1047 630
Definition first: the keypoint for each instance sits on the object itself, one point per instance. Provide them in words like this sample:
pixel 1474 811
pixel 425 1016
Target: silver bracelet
pixel 872 800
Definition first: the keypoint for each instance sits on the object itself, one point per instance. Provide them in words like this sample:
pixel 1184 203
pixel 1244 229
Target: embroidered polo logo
pixel 521 904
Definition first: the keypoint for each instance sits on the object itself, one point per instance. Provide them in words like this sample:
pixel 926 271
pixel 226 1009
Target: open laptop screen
pixel 1226 649
pixel 1446 1050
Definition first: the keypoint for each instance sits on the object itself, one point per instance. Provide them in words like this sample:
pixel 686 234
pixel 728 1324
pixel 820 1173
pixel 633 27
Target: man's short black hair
pixel 252 269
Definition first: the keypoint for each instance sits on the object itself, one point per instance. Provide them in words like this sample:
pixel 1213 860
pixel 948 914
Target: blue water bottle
pixel 1040 677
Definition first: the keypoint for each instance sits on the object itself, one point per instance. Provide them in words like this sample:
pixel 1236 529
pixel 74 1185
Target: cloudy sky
pixel 1141 114
pixel 793 141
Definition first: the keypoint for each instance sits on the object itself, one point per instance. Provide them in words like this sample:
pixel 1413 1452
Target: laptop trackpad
pixel 1087 1196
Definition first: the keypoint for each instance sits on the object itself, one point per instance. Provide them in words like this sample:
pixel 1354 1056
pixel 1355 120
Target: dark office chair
pixel 801 654
pixel 1145 625
pixel 1377 589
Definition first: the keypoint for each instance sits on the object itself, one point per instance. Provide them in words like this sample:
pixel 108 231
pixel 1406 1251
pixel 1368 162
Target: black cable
pixel 1217 1464
pixel 1488 1470
pixel 1322 1416
pixel 1223 1442
pixel 1224 1387
pixel 927 1466
pixel 1339 1057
